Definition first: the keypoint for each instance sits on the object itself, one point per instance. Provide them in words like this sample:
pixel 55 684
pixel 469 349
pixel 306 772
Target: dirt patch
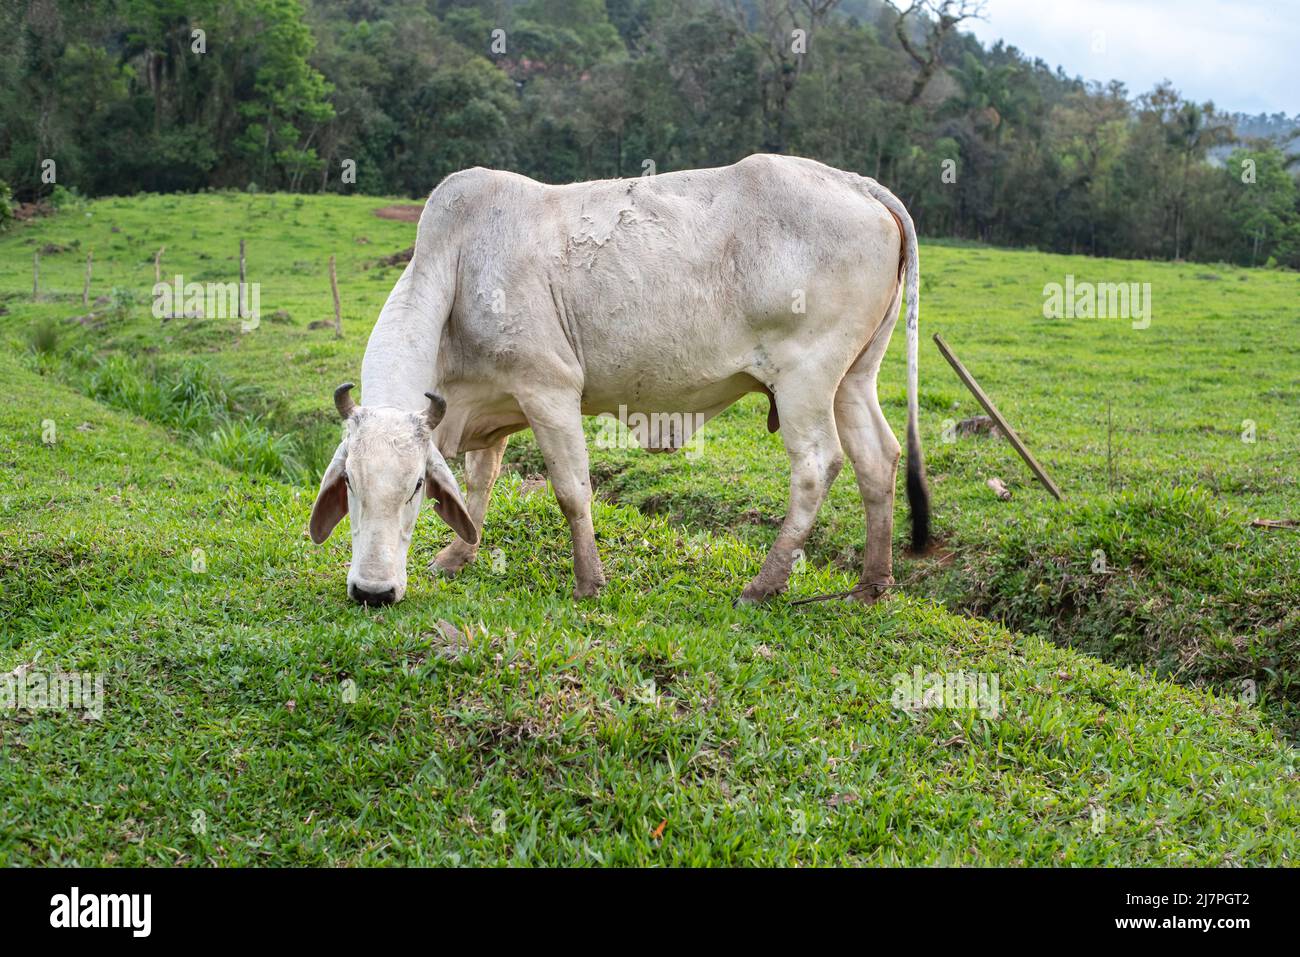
pixel 532 484
pixel 398 258
pixel 402 212
pixel 937 553
pixel 24 211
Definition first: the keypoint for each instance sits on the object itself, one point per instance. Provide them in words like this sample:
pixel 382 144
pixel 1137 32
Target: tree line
pixel 389 96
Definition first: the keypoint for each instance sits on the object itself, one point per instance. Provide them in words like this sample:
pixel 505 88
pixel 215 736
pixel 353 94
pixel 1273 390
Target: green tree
pixel 1267 204
pixel 290 97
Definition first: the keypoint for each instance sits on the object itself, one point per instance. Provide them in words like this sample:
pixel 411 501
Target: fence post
pixel 334 288
pixel 85 290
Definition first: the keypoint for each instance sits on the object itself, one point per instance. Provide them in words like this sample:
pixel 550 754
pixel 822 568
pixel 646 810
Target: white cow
pixel 529 306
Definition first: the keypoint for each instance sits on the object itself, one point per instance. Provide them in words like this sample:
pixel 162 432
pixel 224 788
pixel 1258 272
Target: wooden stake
pixel 36 276
pixel 334 288
pixel 242 276
pixel 1275 523
pixel 997 417
pixel 1110 482
pixel 85 290
pixel 157 265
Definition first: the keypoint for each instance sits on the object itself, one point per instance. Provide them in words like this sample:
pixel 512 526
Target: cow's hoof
pixel 588 589
pixel 756 592
pixel 868 593
pixel 451 561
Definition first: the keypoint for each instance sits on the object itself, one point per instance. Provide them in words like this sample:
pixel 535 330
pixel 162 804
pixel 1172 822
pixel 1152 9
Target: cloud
pixel 1241 54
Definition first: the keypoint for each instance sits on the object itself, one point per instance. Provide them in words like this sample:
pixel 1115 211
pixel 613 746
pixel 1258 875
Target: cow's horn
pixel 343 401
pixel 437 409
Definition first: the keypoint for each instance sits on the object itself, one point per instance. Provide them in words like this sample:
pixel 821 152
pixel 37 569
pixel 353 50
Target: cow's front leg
pixel 808 427
pixel 481 470
pixel 557 423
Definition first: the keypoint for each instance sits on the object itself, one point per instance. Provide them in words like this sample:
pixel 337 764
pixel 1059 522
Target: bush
pixel 63 197
pixel 191 399
pixel 122 300
pixel 248 446
pixel 6 205
pixel 43 338
pixel 188 398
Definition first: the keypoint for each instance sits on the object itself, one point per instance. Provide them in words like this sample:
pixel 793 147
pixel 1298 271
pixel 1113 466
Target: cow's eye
pixel 419 484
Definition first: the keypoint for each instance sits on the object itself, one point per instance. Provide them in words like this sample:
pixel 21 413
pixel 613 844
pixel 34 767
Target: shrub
pixel 208 411
pixel 43 338
pixel 6 205
pixel 122 300
pixel 248 446
pixel 63 197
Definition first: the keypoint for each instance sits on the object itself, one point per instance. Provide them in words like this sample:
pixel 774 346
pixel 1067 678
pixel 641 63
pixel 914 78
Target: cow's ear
pixel 440 485
pixel 332 499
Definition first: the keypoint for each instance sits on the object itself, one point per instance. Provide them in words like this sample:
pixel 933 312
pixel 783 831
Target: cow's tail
pixel 918 493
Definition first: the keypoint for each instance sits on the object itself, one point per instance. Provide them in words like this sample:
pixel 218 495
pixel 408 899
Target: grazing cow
pixel 529 306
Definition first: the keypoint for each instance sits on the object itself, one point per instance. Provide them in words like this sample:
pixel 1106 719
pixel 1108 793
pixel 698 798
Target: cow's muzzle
pixel 372 594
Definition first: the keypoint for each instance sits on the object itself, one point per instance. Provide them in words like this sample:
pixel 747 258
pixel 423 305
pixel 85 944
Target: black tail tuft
pixel 918 493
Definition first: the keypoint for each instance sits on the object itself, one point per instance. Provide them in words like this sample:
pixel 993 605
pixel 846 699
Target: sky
pixel 1242 54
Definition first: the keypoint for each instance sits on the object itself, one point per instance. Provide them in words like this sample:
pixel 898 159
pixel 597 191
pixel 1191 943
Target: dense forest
pixel 388 96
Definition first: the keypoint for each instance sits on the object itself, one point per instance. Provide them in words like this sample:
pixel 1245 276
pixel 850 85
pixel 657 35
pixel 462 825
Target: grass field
pixel 252 715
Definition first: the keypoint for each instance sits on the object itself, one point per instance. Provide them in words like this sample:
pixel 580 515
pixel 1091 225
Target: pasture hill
pixel 1133 649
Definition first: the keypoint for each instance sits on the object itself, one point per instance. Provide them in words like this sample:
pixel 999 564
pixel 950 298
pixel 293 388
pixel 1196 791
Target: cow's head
pixel 380 475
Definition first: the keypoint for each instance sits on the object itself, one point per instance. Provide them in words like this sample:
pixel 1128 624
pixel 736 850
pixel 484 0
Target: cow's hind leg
pixel 557 423
pixel 811 441
pixel 873 449
pixel 481 470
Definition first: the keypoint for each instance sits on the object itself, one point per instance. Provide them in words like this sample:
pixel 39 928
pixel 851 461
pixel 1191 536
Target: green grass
pixel 768 734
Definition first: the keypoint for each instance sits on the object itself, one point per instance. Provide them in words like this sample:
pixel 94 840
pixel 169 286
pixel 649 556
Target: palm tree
pixel 1193 131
